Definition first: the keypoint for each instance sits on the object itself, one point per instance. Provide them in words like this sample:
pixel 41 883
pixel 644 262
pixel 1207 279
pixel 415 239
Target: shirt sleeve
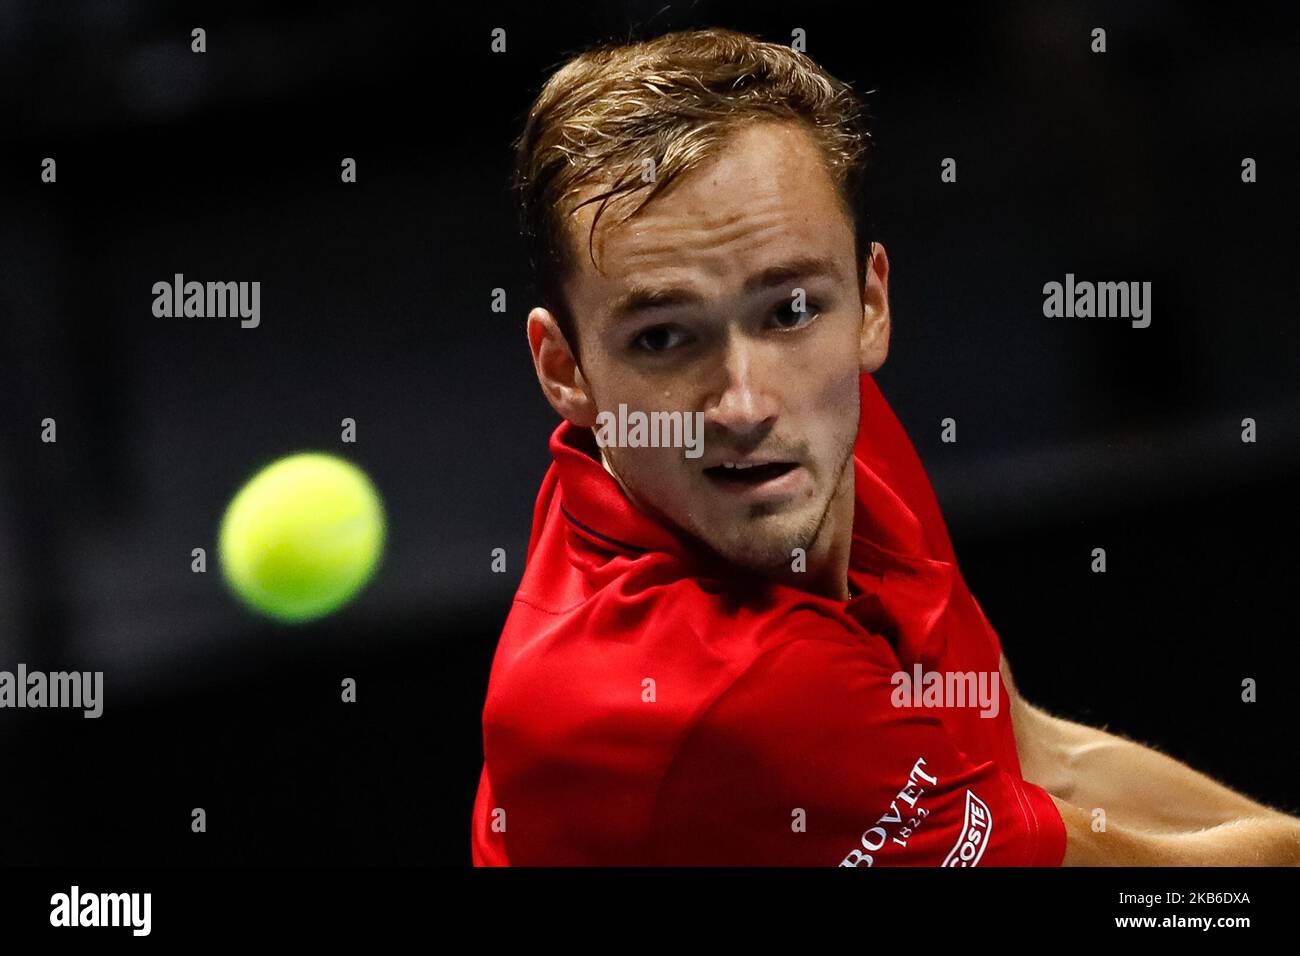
pixel 806 761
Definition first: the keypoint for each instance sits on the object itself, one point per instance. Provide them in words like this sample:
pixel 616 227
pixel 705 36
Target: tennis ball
pixel 302 537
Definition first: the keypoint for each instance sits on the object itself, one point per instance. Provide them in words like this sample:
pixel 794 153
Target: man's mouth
pixel 743 475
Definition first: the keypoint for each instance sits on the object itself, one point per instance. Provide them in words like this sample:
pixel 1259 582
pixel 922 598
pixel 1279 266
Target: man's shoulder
pixel 653 584
pixel 655 618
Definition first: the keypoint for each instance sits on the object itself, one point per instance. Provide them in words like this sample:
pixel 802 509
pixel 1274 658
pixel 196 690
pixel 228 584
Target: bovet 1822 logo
pixel 975 832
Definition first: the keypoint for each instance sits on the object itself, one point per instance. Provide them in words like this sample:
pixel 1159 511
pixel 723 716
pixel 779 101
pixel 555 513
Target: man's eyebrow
pixel 644 298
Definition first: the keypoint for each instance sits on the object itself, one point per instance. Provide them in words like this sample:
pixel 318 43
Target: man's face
pixel 694 309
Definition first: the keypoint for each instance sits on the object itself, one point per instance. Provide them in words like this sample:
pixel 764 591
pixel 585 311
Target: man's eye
pixel 658 338
pixel 787 318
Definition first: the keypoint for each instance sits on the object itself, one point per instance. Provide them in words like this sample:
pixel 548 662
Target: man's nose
pixel 742 405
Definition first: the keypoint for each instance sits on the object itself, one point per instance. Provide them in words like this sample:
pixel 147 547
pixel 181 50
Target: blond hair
pixel 672 100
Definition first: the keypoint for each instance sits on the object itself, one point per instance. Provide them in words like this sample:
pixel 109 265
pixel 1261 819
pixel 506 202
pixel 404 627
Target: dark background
pixel 1073 433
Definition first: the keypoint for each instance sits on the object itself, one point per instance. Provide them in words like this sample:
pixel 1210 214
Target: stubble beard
pixel 748 547
pixel 772 554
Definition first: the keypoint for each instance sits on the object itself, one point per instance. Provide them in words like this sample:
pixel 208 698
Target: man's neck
pixel 827 570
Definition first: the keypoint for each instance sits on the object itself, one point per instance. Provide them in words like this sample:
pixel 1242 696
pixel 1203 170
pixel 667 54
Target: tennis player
pixel 714 660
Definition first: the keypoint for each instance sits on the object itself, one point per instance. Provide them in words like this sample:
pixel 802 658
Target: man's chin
pixel 766 551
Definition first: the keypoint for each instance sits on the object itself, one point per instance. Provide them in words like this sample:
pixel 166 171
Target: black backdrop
pixel 1073 433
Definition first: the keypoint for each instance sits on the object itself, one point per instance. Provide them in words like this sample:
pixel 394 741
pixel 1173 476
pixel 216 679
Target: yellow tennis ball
pixel 302 537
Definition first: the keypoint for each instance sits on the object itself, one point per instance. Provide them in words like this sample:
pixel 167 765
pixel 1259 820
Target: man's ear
pixel 561 379
pixel 873 342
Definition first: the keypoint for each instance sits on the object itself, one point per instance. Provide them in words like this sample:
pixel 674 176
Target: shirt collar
pixel 597 510
pixel 901 591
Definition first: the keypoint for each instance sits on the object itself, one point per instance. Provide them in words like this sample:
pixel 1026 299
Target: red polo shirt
pixel 647 706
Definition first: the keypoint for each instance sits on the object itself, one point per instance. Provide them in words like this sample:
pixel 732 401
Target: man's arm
pixel 1249 841
pixel 1139 789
